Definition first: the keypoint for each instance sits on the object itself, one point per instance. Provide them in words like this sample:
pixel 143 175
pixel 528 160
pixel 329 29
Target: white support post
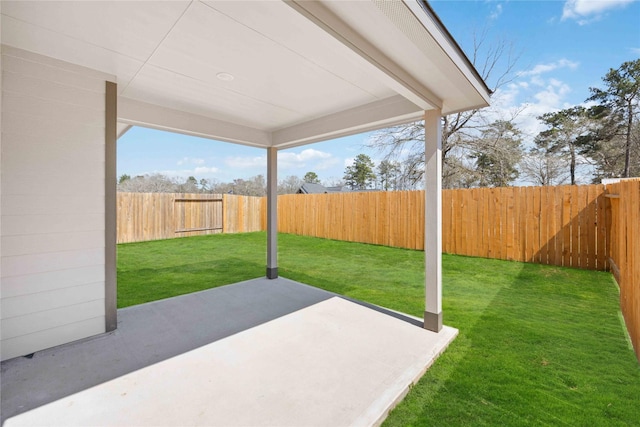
pixel 272 213
pixel 433 220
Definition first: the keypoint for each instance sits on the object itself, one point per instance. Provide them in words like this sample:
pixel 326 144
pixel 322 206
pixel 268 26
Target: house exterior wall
pixel 52 211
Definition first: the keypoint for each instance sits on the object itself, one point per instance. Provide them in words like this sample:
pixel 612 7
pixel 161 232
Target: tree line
pixel 362 174
pixel 254 186
pixel 602 135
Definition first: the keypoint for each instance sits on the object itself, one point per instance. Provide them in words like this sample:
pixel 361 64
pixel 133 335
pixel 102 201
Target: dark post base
pixel 272 273
pixel 433 321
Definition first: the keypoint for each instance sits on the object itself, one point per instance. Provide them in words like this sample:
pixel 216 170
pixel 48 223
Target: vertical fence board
pixel 516 229
pixel 507 224
pixel 473 233
pixel 566 226
pixel 576 213
pixel 447 210
pixel 582 253
pixel 625 253
pixel 485 201
pixel 602 249
pixel 457 224
pixel 592 227
pixel 557 226
pixel 496 217
pixel 631 308
pixel 537 225
pixel 543 255
pixel 471 221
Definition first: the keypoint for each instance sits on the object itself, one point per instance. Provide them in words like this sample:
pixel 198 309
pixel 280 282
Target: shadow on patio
pixel 260 352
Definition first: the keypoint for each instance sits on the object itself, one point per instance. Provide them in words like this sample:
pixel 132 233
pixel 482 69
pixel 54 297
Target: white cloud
pixel 551 98
pixel 496 12
pixel 525 100
pixel 545 68
pixel 504 97
pixel 307 158
pixel 635 50
pixel 205 170
pixel 305 155
pixel 326 164
pixel 190 161
pixel 246 162
pixel 586 11
pixel 198 172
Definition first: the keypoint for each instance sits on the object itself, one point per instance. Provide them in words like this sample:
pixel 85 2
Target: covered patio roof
pixel 262 73
pixel 269 74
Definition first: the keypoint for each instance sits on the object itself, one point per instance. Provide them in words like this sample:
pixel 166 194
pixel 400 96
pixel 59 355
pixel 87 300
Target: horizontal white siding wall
pixel 52 203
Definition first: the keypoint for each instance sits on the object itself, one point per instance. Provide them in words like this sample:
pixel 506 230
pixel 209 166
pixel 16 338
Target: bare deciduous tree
pixel 289 185
pixel 498 153
pixel 544 168
pixel 496 65
pixel 154 183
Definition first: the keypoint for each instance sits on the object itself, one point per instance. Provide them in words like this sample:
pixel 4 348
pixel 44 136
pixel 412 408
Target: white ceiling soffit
pixel 262 73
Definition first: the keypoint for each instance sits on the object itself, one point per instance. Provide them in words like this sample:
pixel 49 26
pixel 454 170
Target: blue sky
pixel 563 48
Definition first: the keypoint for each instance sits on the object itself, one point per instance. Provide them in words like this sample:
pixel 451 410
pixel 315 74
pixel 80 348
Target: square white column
pixel 433 220
pixel 272 213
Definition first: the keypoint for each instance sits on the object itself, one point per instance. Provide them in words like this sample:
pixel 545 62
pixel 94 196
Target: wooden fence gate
pixel 197 214
pixel 154 216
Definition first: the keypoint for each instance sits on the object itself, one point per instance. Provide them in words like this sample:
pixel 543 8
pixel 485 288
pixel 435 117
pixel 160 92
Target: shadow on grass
pixel 324 282
pixel 546 349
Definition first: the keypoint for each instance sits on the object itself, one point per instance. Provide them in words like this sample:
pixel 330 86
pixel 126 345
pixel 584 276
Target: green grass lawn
pixel 538 345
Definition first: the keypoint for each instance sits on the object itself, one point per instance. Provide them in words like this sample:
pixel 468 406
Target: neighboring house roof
pixel 308 188
pixel 338 189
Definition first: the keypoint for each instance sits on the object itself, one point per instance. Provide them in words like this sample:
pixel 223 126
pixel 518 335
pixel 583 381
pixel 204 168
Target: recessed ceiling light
pixel 225 77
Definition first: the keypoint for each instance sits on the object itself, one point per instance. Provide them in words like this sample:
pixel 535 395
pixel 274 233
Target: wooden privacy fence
pixel 154 216
pixel 591 227
pixel 382 218
pixel 625 252
pixel 565 225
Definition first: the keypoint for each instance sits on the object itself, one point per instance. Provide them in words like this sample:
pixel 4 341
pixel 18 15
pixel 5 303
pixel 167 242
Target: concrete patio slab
pixel 307 357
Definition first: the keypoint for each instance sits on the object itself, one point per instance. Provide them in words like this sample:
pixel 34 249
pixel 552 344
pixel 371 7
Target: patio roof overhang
pixel 269 74
pixel 261 73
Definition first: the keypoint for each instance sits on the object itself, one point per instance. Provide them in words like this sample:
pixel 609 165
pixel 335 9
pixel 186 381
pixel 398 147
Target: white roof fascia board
pixel 376 115
pixel 462 110
pixel 450 47
pixel 386 70
pixel 138 113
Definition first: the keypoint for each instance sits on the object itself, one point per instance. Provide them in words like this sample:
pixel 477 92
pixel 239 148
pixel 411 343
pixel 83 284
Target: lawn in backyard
pixel 538 345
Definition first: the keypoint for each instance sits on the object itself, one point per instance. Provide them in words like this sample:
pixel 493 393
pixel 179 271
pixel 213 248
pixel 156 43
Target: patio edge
pixel 447 335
